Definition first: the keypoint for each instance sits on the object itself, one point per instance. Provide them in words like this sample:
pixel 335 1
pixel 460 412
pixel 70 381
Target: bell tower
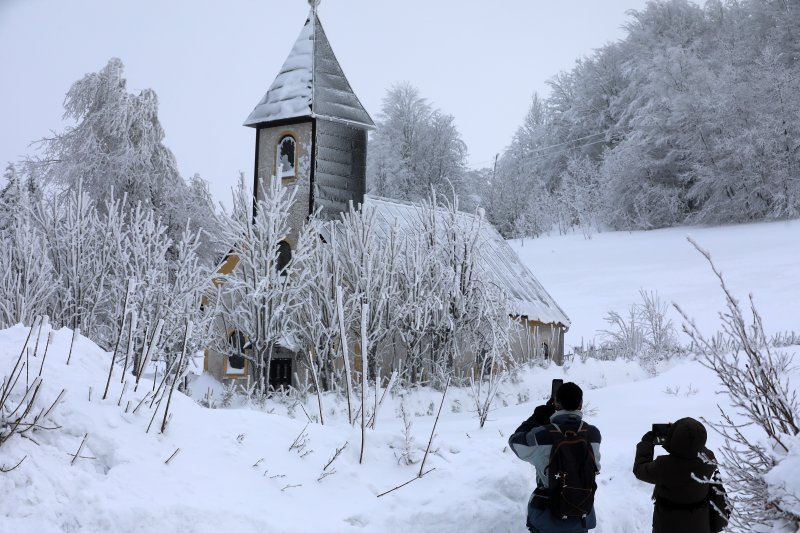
pixel 311 130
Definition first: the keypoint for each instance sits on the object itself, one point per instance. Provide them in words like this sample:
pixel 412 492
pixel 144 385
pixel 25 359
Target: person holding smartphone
pixel 565 450
pixel 682 489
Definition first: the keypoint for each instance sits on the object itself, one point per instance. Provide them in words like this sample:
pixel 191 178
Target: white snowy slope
pixel 235 470
pixel 589 277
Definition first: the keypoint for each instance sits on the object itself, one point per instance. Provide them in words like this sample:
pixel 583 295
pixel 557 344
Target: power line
pixel 543 148
pixel 568 142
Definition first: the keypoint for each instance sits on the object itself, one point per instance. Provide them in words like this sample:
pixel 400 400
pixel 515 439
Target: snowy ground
pixel 235 471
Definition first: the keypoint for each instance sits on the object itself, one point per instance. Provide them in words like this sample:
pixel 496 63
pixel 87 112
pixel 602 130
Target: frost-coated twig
pixel 314 374
pixel 9 384
pixel 78 453
pixel 121 394
pixel 335 456
pixel 147 350
pixel 388 389
pixel 171 456
pixel 46 349
pixel 131 331
pixel 364 379
pixel 189 327
pixel 304 411
pixel 119 335
pixel 5 470
pixel 420 476
pixel 42 322
pixel 345 354
pixel 301 440
pixel 155 411
pixel 162 384
pixel 433 429
pixel 75 332
pixel 144 399
pixel 291 487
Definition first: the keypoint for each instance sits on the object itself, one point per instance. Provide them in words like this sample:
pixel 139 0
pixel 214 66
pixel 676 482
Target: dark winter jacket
pixel 532 443
pixel 680 501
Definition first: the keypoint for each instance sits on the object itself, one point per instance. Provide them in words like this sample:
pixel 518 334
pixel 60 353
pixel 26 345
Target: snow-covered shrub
pixel 26 273
pixel 645 333
pixel 21 411
pixel 761 465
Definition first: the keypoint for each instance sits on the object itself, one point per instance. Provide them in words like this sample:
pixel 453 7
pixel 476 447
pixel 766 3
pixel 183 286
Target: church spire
pixel 311 83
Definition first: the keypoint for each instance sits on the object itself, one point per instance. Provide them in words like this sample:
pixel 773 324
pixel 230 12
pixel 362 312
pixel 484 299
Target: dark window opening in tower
pixel 238 344
pixel 286 157
pixel 284 256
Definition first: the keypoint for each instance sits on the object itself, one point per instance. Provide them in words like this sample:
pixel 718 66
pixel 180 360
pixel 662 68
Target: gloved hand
pixel 543 413
pixel 649 437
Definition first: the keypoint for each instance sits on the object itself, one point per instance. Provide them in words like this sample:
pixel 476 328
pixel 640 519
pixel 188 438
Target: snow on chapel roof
pixel 311 83
pixel 496 259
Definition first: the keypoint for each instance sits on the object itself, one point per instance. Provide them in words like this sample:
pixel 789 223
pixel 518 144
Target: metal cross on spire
pixel 314 4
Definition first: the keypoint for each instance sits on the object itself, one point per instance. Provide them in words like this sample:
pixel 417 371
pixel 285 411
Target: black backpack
pixel 571 473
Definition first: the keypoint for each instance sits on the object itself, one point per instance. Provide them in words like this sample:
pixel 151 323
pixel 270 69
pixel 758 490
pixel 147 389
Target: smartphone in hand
pixel 554 388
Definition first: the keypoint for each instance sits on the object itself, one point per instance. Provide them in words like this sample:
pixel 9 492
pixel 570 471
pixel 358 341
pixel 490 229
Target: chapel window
pixel 286 157
pixel 238 344
pixel 284 256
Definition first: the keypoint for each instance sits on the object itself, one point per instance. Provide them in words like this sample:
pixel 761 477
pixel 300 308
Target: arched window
pixel 238 343
pixel 284 256
pixel 286 157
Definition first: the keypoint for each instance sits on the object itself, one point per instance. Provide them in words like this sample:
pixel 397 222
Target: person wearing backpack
pixel 565 451
pixel 682 503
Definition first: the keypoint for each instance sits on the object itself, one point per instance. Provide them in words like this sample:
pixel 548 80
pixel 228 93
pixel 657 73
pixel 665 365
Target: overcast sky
pixel 211 61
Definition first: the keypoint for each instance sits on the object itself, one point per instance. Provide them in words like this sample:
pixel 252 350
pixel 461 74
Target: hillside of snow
pixel 590 276
pixel 263 468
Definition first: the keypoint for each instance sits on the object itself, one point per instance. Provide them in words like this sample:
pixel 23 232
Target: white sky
pixel 211 61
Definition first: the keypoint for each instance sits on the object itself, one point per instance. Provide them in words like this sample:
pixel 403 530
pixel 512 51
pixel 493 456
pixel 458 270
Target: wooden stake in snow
pixel 345 354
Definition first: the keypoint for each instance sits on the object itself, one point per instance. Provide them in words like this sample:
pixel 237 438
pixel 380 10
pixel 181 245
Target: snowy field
pixel 236 469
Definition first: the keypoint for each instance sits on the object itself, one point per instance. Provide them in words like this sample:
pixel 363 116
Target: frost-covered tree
pixel 414 147
pixel 257 300
pixel 116 149
pixel 368 262
pixel 692 117
pixel 469 311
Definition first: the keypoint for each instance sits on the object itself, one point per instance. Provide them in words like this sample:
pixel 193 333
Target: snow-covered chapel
pixel 311 133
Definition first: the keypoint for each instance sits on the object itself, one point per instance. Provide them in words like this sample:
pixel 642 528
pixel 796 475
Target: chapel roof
pixel 495 257
pixel 311 83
